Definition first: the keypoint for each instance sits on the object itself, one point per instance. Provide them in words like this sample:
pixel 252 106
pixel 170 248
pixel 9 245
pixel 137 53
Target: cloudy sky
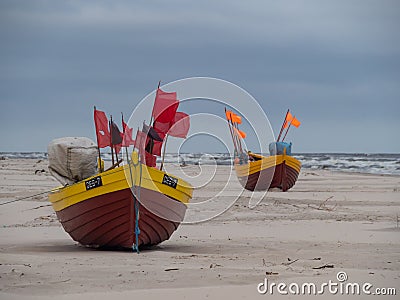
pixel 336 64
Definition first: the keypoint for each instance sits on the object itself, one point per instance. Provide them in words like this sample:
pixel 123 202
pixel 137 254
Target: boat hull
pixel 280 171
pixel 100 211
pixel 109 220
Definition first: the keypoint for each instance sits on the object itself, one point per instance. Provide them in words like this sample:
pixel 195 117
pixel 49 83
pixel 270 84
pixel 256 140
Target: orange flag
pixel 231 116
pixel 240 133
pixel 228 114
pixel 296 123
pixel 236 119
pixel 289 119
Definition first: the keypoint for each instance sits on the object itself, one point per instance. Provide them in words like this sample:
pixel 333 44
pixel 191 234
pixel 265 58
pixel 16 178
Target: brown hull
pixel 280 176
pixel 109 220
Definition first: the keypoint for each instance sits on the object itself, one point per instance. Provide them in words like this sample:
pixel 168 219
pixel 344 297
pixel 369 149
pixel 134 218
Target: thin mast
pixel 231 131
pixel 158 87
pixel 151 141
pixel 238 138
pixel 111 144
pixel 98 148
pixel 115 149
pixel 284 122
pixel 290 124
pixel 123 136
pixel 163 155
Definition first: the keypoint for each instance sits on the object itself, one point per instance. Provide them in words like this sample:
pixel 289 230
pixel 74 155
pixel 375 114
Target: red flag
pixel 150 159
pixel 151 132
pixel 117 148
pixel 140 141
pixel 127 135
pixel 116 137
pixel 181 125
pixel 165 106
pixel 102 133
pixel 157 148
pixel 161 128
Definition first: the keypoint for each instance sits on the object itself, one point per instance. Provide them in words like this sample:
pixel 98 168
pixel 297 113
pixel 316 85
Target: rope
pixel 136 205
pixel 137 231
pixel 27 197
pixel 136 194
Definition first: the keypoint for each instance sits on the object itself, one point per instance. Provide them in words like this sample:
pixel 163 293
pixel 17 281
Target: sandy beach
pixel 329 222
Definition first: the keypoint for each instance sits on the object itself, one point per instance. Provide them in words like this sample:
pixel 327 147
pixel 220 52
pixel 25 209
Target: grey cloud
pixel 328 60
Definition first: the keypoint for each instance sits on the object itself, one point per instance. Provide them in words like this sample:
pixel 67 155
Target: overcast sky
pixel 336 64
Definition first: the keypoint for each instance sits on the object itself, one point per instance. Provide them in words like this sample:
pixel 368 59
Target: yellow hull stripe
pixel 265 163
pixel 119 179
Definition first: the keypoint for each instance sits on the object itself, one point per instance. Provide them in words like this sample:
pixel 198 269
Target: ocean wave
pixel 379 163
pixel 32 155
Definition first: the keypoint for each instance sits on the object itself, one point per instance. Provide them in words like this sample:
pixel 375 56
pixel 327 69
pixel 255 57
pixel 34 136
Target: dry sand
pixel 348 222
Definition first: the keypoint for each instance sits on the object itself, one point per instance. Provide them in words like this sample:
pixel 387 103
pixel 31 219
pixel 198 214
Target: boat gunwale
pixel 63 197
pixel 181 182
pixel 266 162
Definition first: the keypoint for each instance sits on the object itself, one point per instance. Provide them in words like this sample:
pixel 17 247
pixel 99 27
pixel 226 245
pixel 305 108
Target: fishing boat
pixel 100 210
pixel 131 205
pixel 257 172
pixel 264 172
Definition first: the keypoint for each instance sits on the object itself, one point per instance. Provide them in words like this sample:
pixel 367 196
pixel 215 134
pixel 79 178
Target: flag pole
pixel 111 144
pixel 237 137
pixel 137 197
pixel 282 127
pixel 290 124
pixel 151 117
pixel 123 136
pixel 115 150
pixel 163 155
pixel 151 140
pixel 98 148
pixel 231 131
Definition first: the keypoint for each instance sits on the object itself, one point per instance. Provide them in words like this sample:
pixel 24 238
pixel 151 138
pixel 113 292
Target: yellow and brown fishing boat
pixel 264 172
pixel 256 172
pixel 126 206
pixel 100 210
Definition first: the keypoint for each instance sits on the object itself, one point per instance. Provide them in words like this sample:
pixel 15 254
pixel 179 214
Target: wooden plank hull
pixel 109 220
pixel 99 211
pixel 275 172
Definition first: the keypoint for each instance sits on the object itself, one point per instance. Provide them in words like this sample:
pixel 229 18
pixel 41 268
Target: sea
pixel 377 163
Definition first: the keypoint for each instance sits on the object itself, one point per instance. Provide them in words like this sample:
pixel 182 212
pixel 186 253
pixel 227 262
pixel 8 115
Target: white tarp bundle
pixel 72 159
